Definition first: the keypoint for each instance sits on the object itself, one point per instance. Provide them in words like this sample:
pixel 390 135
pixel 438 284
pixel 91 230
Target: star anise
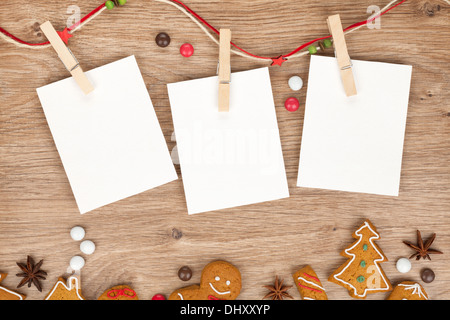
pixel 31 273
pixel 422 250
pixel 278 291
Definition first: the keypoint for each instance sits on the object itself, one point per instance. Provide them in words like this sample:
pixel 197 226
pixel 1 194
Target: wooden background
pixel 143 240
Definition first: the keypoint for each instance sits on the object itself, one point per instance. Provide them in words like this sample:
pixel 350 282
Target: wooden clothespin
pixel 224 70
pixel 67 57
pixel 342 56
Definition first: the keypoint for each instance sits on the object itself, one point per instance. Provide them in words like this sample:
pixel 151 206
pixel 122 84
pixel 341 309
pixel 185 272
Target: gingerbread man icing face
pixel 220 280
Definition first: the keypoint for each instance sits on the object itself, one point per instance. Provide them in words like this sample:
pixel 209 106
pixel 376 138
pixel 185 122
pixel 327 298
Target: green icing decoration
pixel 360 279
pixel 363 264
pixel 365 247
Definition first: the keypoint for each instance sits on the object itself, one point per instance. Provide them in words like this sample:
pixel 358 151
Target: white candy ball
pixel 87 247
pixel 295 83
pixel 77 263
pixel 77 233
pixel 403 265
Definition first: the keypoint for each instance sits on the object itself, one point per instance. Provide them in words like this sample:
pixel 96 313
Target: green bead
pixel 365 247
pixel 363 264
pixel 327 43
pixel 360 279
pixel 109 4
pixel 122 2
pixel 312 49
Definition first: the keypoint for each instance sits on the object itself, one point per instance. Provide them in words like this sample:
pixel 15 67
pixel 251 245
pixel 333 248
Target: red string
pixel 214 29
pixel 296 50
pixel 210 27
pixel 371 19
pixel 90 14
pixel 6 33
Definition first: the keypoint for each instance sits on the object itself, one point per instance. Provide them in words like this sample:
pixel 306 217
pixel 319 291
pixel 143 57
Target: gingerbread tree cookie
pixel 220 280
pixel 66 290
pixel 7 294
pixel 362 274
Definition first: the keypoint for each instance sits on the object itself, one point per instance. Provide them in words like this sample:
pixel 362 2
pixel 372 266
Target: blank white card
pixel 110 141
pixel 228 159
pixel 354 143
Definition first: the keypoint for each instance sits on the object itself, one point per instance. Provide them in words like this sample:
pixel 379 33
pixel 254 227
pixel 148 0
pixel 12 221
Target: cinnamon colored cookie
pixel 408 290
pixel 309 285
pixel 66 290
pixel 220 280
pixel 362 273
pixel 7 294
pixel 119 293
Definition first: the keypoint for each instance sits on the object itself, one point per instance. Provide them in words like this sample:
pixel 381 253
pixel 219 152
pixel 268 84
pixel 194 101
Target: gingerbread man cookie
pixel 408 290
pixel 220 280
pixel 122 292
pixel 7 294
pixel 66 290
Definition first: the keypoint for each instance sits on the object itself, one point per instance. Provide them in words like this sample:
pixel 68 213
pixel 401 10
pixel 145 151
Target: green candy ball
pixel 122 2
pixel 109 5
pixel 312 49
pixel 327 43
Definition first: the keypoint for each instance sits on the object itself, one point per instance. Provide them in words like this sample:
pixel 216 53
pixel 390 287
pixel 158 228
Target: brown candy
pixel 185 273
pixel 162 39
pixel 427 275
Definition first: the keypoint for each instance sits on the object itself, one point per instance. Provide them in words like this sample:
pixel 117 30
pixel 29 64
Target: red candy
pixel 187 50
pixel 158 297
pixel 292 104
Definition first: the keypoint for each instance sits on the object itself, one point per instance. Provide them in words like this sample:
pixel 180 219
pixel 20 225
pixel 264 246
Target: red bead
pixel 292 104
pixel 158 297
pixel 187 50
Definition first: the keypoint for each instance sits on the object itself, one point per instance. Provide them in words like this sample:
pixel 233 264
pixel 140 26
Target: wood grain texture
pixel 142 241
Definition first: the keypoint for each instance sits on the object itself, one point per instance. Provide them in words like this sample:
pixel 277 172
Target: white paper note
pixel 354 143
pixel 110 141
pixel 228 159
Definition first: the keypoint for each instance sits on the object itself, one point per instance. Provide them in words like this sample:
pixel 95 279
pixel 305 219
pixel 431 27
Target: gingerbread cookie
pixel 220 280
pixel 66 290
pixel 309 285
pixel 408 290
pixel 7 294
pixel 362 274
pixel 119 293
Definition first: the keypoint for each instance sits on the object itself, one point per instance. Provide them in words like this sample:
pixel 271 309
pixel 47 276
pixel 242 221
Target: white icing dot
pixel 403 265
pixel 295 83
pixel 217 278
pixel 228 282
pixel 87 247
pixel 77 263
pixel 77 233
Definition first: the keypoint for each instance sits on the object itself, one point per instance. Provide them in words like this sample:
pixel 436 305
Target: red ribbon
pixel 115 293
pixel 211 297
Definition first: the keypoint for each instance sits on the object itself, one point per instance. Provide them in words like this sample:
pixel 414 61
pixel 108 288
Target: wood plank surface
pixel 143 240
